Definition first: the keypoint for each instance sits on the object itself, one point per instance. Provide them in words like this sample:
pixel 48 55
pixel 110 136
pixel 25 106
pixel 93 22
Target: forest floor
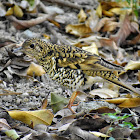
pixel 102 28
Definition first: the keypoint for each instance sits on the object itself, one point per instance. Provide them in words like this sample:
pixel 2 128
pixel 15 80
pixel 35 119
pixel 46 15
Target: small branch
pixel 60 38
pixel 66 3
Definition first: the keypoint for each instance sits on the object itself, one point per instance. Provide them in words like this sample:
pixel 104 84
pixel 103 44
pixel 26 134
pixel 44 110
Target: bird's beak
pixel 17 49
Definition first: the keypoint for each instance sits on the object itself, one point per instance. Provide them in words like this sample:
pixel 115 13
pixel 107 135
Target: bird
pixel 72 67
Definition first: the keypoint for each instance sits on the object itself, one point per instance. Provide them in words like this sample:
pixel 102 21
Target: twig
pixel 66 3
pixel 61 38
pixel 9 92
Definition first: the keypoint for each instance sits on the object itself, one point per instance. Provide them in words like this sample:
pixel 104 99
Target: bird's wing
pixel 76 58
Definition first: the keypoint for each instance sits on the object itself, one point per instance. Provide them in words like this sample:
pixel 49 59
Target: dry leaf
pixel 44 104
pixel 102 23
pixel 92 48
pixel 35 117
pixel 133 65
pixel 32 117
pixel 78 29
pixel 17 11
pixel 4 125
pixel 125 102
pixel 92 21
pixel 130 102
pixel 10 11
pixel 110 26
pixel 108 42
pixel 134 41
pixel 121 11
pixel 102 110
pixel 82 16
pixel 35 69
pixel 99 134
pixel 99 10
pixel 107 13
pixel 104 93
pixel 123 32
pixel 112 8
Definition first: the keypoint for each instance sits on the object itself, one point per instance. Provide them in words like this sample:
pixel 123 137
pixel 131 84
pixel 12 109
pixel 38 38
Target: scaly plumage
pixel 71 66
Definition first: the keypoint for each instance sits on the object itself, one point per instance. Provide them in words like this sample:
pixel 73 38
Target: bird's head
pixel 34 47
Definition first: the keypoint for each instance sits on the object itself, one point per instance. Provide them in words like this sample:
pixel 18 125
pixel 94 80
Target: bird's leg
pixel 70 104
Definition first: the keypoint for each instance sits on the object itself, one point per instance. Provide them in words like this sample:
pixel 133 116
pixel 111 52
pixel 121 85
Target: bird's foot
pixel 70 104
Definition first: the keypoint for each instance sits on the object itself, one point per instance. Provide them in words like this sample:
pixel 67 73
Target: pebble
pixel 25 94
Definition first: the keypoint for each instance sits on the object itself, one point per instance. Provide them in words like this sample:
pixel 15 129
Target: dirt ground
pixel 24 92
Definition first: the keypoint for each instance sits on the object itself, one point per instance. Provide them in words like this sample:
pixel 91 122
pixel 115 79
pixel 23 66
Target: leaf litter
pixel 111 31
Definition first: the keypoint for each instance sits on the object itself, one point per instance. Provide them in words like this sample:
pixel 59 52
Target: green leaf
pixel 12 134
pixel 58 102
pixel 111 138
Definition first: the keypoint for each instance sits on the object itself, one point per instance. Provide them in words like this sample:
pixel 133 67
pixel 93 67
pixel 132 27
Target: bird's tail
pixel 113 78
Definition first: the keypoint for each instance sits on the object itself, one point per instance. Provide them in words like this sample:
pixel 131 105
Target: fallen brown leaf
pixel 103 22
pixel 78 29
pixel 124 31
pixel 125 102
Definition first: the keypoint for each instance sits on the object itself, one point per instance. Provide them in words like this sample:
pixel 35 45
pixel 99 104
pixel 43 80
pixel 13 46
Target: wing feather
pixel 76 58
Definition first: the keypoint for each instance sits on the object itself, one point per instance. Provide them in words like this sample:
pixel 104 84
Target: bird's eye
pixel 32 46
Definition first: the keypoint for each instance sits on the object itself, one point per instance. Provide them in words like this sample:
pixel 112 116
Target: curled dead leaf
pixel 103 22
pixel 35 69
pixel 78 29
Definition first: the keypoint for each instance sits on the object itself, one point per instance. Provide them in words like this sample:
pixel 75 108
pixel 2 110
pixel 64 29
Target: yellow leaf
pixel 92 48
pixel 133 65
pixel 99 11
pixel 9 12
pixel 35 69
pixel 78 29
pixel 125 102
pixel 119 11
pixel 107 13
pixel 32 117
pixel 18 11
pixel 130 102
pixel 46 36
pixel 99 134
pixel 12 134
pixel 82 16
